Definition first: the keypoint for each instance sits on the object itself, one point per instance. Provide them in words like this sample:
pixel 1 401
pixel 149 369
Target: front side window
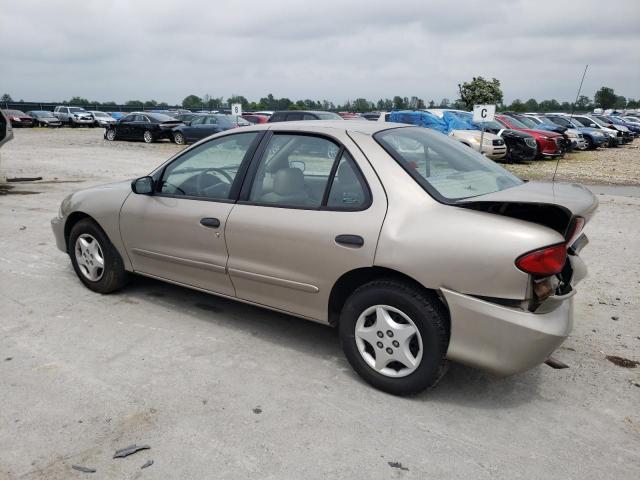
pixel 442 166
pixel 294 171
pixel 209 170
pixel 197 121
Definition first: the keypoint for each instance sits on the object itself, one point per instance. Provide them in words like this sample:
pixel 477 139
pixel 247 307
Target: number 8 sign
pixel 236 109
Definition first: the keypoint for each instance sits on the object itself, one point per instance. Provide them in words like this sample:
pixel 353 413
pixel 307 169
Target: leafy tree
pixel 480 91
pixel 238 99
pixel 399 103
pixel 549 106
pixel 445 103
pixel 6 98
pixel 78 101
pixel 517 106
pixel 362 105
pixel 531 105
pixel 432 104
pixel 192 101
pixel 621 102
pixel 583 104
pixel 605 98
pixel 109 104
pixel 150 104
pixel 631 103
pixel 384 105
pixel 421 104
pixel 134 103
pixel 163 104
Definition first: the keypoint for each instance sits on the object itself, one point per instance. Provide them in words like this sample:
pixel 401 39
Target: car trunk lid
pixel 555 205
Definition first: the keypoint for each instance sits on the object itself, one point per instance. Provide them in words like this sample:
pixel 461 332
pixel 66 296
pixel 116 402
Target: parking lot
pixel 219 389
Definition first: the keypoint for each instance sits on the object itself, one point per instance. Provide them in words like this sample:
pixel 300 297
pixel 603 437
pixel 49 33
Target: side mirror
pixel 143 185
pixel 592 125
pixel 298 164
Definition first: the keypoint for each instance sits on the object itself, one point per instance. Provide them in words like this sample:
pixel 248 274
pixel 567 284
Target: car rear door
pixel 178 232
pixel 310 210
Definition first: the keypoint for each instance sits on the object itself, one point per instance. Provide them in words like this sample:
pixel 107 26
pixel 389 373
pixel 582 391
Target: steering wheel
pixel 200 184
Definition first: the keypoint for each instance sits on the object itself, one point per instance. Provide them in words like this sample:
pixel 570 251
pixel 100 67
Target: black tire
pixel 72 124
pixel 179 138
pixel 427 313
pixel 114 276
pixel 590 144
pixel 147 136
pixel 110 134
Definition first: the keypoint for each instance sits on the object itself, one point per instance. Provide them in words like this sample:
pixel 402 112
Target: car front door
pixel 191 132
pixel 178 232
pixel 123 127
pixel 310 210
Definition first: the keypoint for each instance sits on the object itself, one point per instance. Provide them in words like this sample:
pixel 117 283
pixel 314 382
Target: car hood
pixel 538 133
pixel 510 133
pixel 573 199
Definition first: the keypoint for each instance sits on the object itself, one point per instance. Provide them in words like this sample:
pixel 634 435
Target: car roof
pixel 320 126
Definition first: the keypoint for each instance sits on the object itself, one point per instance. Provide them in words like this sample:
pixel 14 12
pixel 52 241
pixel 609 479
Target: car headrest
pixel 288 181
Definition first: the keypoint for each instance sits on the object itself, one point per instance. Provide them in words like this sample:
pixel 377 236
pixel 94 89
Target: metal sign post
pixel 481 114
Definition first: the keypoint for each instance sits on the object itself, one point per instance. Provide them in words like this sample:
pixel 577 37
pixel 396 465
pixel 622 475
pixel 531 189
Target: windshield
pixel 99 114
pixel 600 121
pixel 444 167
pixel 514 122
pixel 564 122
pixel 15 113
pixel 329 116
pixel 76 109
pixel 528 122
pixel 631 119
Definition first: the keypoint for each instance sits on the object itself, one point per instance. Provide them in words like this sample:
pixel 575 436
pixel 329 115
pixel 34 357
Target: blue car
pixel 634 127
pixel 594 137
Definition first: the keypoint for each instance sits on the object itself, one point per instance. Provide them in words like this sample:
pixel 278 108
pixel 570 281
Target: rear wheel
pixel 395 336
pixel 590 145
pixel 95 260
pixel 148 136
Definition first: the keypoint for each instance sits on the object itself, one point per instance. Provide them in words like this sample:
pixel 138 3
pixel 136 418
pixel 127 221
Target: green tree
pixel 632 103
pixel 78 101
pixel 480 91
pixel 517 106
pixel 398 103
pixel 445 103
pixel 109 104
pixel 192 101
pixel 605 98
pixel 549 106
pixel 362 105
pixel 583 104
pixel 6 98
pixel 432 104
pixel 150 104
pixel 238 99
pixel 134 103
pixel 421 104
pixel 531 105
pixel 621 102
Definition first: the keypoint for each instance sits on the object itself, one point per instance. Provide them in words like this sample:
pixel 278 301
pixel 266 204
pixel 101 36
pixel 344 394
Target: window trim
pixel 238 180
pixel 247 184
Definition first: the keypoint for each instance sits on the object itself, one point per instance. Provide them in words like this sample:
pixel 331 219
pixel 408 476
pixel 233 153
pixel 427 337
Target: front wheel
pixel 395 336
pixel 95 260
pixel 178 138
pixel 148 136
pixel 110 135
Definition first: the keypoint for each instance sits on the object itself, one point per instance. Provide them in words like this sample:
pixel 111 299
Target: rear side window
pixel 444 167
pixel 309 172
pixel 277 117
pixel 294 116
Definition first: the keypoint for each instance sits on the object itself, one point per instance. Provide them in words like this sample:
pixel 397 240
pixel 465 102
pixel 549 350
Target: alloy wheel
pixel 178 138
pixel 89 257
pixel 388 341
pixel 148 137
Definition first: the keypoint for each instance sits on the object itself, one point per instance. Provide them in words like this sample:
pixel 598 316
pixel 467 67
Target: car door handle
pixel 350 240
pixel 210 222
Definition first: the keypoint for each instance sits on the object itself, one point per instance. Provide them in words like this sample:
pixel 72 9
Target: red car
pixel 19 119
pixel 549 143
pixel 255 118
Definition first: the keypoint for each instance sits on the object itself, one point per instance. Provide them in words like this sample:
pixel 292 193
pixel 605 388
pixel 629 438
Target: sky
pixel 336 50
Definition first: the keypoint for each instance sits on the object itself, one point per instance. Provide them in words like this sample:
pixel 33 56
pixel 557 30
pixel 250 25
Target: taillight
pixel 545 262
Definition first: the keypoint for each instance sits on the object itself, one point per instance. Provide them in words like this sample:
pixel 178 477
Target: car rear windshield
pixel 160 117
pixel 329 116
pixel 444 167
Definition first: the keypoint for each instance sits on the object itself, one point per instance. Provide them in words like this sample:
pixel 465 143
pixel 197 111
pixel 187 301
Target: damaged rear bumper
pixel 504 340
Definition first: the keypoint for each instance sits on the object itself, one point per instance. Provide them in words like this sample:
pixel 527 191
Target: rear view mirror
pixel 142 186
pixel 298 164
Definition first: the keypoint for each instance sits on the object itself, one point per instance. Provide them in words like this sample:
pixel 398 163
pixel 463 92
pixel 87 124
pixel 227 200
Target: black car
pixel 44 118
pixel 142 126
pixel 292 115
pixel 520 145
pixel 203 125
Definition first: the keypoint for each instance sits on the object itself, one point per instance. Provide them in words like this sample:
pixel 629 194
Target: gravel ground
pixel 223 390
pixel 604 166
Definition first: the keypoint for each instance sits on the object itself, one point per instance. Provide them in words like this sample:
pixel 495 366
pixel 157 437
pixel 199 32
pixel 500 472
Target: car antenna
pixel 573 106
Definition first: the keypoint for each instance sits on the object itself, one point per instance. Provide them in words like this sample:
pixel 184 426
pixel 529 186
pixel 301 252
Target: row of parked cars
pixel 510 137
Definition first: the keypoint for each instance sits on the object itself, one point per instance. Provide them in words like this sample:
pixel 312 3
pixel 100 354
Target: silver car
pixel 418 249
